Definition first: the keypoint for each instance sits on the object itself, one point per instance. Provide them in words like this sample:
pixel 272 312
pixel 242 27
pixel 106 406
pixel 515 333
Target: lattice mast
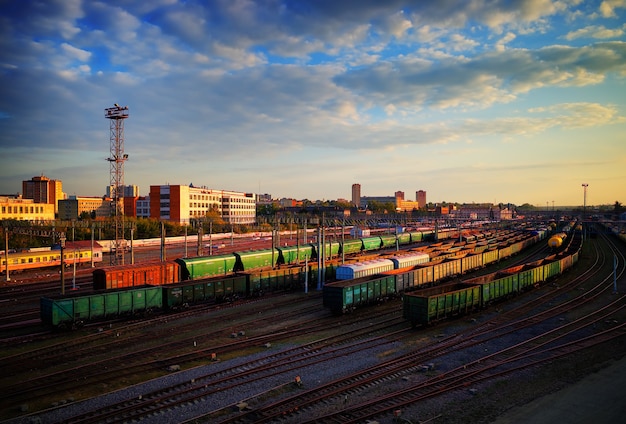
pixel 116 115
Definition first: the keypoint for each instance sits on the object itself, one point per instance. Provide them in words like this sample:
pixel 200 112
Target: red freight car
pixel 151 273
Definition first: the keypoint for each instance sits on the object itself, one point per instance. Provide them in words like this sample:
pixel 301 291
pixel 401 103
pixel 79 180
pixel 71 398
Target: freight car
pixel 344 296
pixel 74 310
pixel 78 253
pixel 557 240
pixel 423 307
pixel 147 273
pixel 228 289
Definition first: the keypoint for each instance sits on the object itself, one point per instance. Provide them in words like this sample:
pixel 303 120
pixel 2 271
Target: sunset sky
pixel 469 100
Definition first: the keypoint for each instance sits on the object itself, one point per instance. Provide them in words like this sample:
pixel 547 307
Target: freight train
pixel 185 269
pixel 76 309
pixel 78 252
pixel 131 290
pixel 422 307
pixel 344 296
pixel 135 290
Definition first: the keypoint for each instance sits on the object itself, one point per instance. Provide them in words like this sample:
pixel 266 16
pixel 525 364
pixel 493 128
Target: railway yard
pixel 284 357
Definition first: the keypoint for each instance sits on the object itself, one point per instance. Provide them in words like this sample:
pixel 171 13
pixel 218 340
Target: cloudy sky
pixel 471 100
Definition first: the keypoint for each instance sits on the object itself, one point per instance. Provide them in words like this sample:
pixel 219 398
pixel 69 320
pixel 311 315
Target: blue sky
pixel 472 101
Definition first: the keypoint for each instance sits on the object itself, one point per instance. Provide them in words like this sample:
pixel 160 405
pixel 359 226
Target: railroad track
pixel 258 414
pixel 541 348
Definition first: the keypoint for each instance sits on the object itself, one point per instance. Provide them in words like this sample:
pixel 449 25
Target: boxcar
pixel 343 296
pixel 206 266
pixel 150 273
pixel 74 310
pixel 439 302
pixel 409 260
pixel 363 269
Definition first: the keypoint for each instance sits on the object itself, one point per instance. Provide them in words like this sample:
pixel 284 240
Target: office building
pixel 182 204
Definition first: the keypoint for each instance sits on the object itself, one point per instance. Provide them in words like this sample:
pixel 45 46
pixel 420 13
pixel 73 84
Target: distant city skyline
pixel 471 101
pixel 130 189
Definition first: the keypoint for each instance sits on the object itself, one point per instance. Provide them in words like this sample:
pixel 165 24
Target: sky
pixel 470 100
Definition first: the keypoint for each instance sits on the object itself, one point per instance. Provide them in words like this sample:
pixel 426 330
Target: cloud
pixel 247 85
pixel 75 53
pixel 597 32
pixel 607 7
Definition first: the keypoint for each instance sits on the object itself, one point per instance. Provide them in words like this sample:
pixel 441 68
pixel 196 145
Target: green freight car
pixel 329 249
pixel 404 238
pixel 206 266
pixel 351 246
pixel 227 289
pixel 77 309
pixel 276 280
pixel 344 296
pixel 497 286
pixel 254 259
pixel 372 243
pixel 389 241
pixel 296 254
pixel 432 304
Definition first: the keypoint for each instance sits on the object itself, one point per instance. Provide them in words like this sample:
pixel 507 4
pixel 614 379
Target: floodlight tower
pixel 116 116
pixel 585 185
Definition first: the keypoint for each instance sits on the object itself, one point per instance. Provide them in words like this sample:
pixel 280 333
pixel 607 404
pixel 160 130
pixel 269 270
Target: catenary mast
pixel 116 115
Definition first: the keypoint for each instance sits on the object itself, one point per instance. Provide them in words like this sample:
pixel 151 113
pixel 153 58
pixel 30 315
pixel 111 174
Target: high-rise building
pixel 125 191
pixel 356 195
pixel 43 190
pixel 420 197
pixel 399 195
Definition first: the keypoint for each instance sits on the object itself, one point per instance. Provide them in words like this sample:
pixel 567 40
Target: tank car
pixel 556 240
